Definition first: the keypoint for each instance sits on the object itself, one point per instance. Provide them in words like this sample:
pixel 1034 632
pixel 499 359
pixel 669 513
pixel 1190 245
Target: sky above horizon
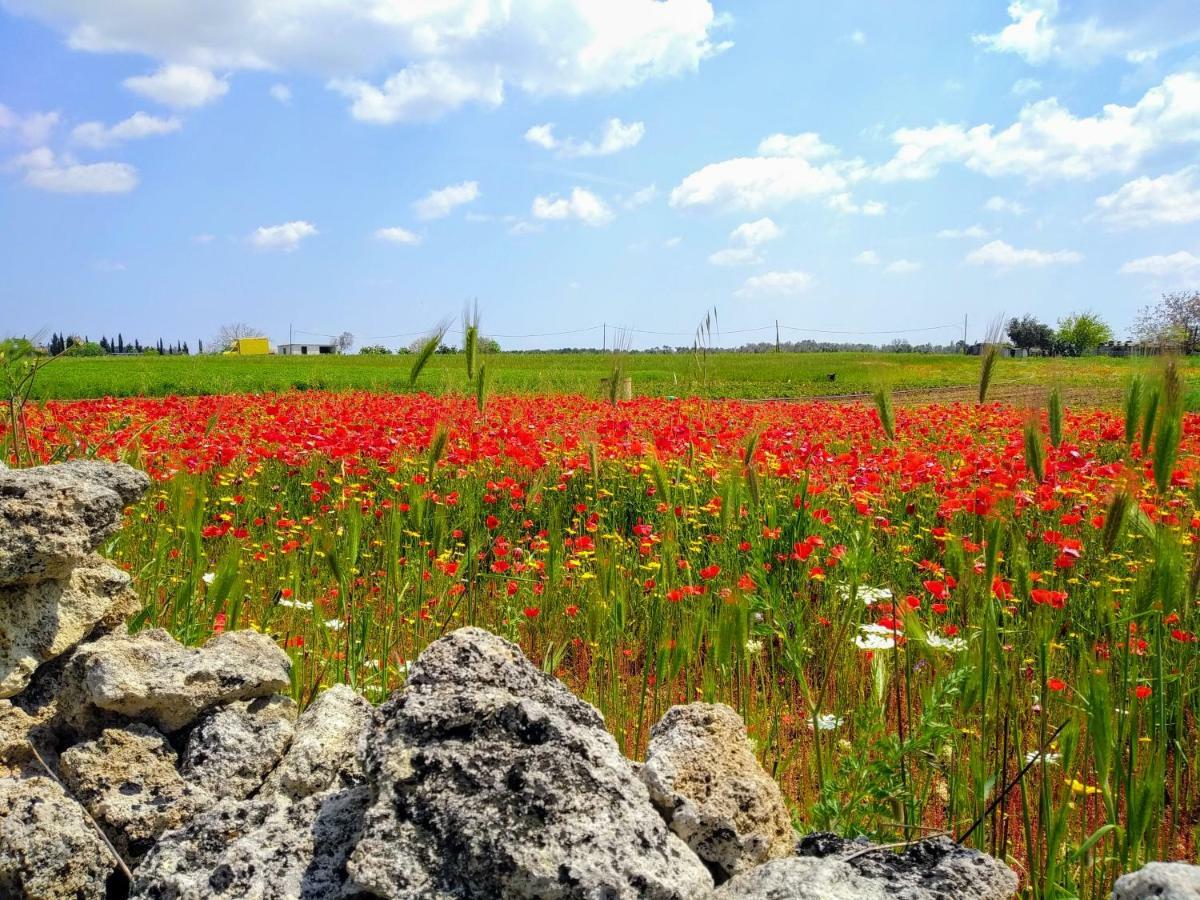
pixel 859 172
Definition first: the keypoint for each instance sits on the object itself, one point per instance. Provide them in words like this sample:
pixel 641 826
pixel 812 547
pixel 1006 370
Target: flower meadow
pixel 912 609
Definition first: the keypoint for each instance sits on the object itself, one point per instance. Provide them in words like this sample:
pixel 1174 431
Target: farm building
pixel 249 346
pixel 305 349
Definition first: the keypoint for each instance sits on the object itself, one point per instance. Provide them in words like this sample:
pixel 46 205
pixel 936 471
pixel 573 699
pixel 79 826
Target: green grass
pixel 725 375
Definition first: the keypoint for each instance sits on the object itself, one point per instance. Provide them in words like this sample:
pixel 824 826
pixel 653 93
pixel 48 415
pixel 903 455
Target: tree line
pixel 74 345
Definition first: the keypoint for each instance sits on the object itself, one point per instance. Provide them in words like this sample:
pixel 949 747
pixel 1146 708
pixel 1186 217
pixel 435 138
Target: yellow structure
pixel 254 346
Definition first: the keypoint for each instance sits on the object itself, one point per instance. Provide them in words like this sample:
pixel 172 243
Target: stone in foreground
pixel 492 780
pixel 126 779
pixel 323 750
pixel 233 747
pixel 152 677
pixel 266 849
pixel 1159 881
pixel 48 851
pixel 93 596
pixel 53 517
pixel 828 868
pixel 705 781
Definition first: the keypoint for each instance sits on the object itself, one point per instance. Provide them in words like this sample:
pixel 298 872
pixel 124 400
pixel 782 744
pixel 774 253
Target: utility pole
pixel 776 335
pixel 964 333
pixel 604 338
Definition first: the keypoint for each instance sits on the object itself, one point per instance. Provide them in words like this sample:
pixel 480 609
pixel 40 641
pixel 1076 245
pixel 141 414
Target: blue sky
pixel 371 165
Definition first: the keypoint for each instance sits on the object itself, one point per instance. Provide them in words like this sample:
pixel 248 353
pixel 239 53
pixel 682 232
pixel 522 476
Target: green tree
pixel 1082 332
pixel 1027 333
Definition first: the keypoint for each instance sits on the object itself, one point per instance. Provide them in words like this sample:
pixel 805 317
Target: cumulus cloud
pixel 397 235
pixel 1001 255
pixel 179 86
pixel 805 145
pixel 1173 265
pixel 1172 199
pixel 868 258
pixel 1036 36
pixel 436 55
pixel 32 129
pixel 64 175
pixel 735 256
pixel 971 231
pixel 285 237
pixel 617 136
pixel 844 203
pixel 140 125
pixel 1023 86
pixel 775 284
pixel 281 92
pixel 902 267
pixel 440 203
pixel 640 197
pixel 581 205
pixel 1004 205
pixel 745 241
pixel 1049 141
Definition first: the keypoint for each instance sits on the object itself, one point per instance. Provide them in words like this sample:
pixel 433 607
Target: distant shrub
pixel 375 350
pixel 90 348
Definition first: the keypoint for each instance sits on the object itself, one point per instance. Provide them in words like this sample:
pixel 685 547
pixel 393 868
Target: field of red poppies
pixel 910 609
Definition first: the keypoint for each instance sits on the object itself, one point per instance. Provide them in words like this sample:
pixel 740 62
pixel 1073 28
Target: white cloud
pixel 640 197
pixel 971 231
pixel 140 125
pixel 1004 205
pixel 63 175
pixel 805 145
pixel 286 237
pixel 735 256
pixel 868 258
pixel 437 54
pixel 751 234
pixel 756 182
pixel 421 92
pixel 844 203
pixel 1172 199
pixel 582 204
pixel 33 129
pixel 617 136
pixel 440 203
pixel 1181 264
pixel 1048 141
pixel 1034 35
pixel 179 86
pixel 1023 86
pixel 1001 255
pixel 397 235
pixel 902 267
pixel 281 92
pixel 775 284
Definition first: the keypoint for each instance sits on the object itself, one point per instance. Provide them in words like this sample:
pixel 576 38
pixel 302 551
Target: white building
pixel 305 349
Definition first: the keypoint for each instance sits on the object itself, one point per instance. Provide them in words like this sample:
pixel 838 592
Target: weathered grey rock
pixel 152 677
pixel 704 779
pixel 53 517
pixel 266 849
pixel 19 732
pixel 43 620
pixel 48 850
pixel 323 753
pixel 233 747
pixel 492 780
pixel 934 869
pixel 1159 881
pixel 127 780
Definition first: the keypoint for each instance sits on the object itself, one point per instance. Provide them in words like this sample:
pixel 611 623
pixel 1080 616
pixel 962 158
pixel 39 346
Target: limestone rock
pixel 233 747
pixel 704 779
pixel 1159 881
pixel 43 620
pixel 265 849
pixel 127 780
pixel 934 869
pixel 18 730
pixel 53 517
pixel 48 850
pixel 492 780
pixel 323 750
pixel 151 676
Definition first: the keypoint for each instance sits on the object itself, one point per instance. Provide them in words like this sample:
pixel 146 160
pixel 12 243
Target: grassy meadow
pixel 732 375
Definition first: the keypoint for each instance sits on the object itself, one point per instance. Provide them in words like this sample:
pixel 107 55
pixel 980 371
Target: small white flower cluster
pixel 208 577
pixel 953 644
pixel 1049 758
pixel 827 722
pixel 294 604
pixel 335 624
pixel 754 647
pixel 874 637
pixel 869 595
